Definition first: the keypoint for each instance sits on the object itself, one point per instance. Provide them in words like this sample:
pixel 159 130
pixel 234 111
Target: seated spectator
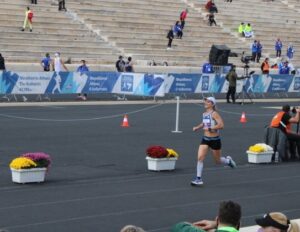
pixel 211 19
pixel 207 68
pixel 131 228
pixel 284 69
pixel 276 222
pixel 177 30
pixel 248 32
pixel 241 29
pixel 213 8
pixel 208 4
pixel 228 220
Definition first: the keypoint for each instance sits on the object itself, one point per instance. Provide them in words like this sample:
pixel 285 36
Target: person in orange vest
pixel 283 121
pixel 265 67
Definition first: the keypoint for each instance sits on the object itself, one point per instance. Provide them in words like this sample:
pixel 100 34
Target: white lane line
pixel 80 119
pixel 126 179
pixel 143 193
pixel 135 211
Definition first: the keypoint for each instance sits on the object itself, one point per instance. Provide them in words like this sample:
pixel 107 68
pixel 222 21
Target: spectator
pixel 57 63
pixel 170 36
pixel 46 62
pixel 231 77
pixel 83 67
pixel 120 64
pixel 254 50
pixel 259 51
pixel 228 220
pixel 213 8
pixel 2 63
pixel 248 32
pixel 228 0
pixel 211 19
pixel 241 29
pixel 28 20
pixel 33 1
pixel 283 120
pixel 290 51
pixel 129 65
pixel 276 222
pixel 284 69
pixel 278 47
pixel 208 5
pixel 61 5
pixel 131 228
pixel 292 68
pixel 183 16
pixel 177 30
pixel 265 67
pixel 207 68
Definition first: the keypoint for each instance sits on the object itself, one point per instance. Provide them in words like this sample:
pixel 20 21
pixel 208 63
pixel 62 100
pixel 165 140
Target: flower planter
pixel 260 157
pixel 162 164
pixel 28 175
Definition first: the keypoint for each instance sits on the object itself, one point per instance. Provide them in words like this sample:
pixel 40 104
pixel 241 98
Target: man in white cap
pixel 211 124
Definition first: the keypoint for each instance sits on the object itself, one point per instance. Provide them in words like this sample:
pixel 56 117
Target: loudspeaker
pixel 219 55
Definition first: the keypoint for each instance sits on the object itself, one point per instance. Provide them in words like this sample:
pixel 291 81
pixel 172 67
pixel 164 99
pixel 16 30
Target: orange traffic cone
pixel 125 121
pixel 243 118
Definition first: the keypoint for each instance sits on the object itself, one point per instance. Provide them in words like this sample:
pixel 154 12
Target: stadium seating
pixel 100 30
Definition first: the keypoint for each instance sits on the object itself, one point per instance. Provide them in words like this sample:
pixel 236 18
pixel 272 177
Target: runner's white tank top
pixel 208 121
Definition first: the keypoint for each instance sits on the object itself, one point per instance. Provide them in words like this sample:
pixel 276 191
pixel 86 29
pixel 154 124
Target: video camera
pixel 245 59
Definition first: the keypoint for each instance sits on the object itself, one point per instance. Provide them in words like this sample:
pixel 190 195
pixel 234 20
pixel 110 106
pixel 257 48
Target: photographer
pixel 283 120
pixel 231 77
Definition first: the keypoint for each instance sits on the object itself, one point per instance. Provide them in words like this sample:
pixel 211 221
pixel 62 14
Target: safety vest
pixel 241 29
pixel 276 121
pixel 266 66
pixel 248 28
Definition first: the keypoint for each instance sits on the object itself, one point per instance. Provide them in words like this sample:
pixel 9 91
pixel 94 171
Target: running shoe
pixel 197 182
pixel 231 163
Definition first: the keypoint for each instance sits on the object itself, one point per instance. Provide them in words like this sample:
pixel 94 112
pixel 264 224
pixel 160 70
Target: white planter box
pixel 261 157
pixel 28 175
pixel 161 164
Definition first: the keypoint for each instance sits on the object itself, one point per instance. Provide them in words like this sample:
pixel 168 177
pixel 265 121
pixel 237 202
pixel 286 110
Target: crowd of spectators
pixel 228 219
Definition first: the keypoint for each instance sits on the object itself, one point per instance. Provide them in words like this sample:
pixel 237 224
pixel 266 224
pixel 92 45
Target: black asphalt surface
pixel 99 179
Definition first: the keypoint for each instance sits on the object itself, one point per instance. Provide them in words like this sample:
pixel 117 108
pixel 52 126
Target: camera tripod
pixel 244 92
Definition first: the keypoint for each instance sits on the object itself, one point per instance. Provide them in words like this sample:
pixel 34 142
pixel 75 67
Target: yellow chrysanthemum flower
pixel 257 148
pixel 22 163
pixel 172 153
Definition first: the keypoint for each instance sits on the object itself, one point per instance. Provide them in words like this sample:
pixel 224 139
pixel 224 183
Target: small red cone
pixel 125 121
pixel 243 118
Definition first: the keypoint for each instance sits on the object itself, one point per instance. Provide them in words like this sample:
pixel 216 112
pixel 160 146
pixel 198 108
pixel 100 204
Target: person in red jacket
pixel 183 16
